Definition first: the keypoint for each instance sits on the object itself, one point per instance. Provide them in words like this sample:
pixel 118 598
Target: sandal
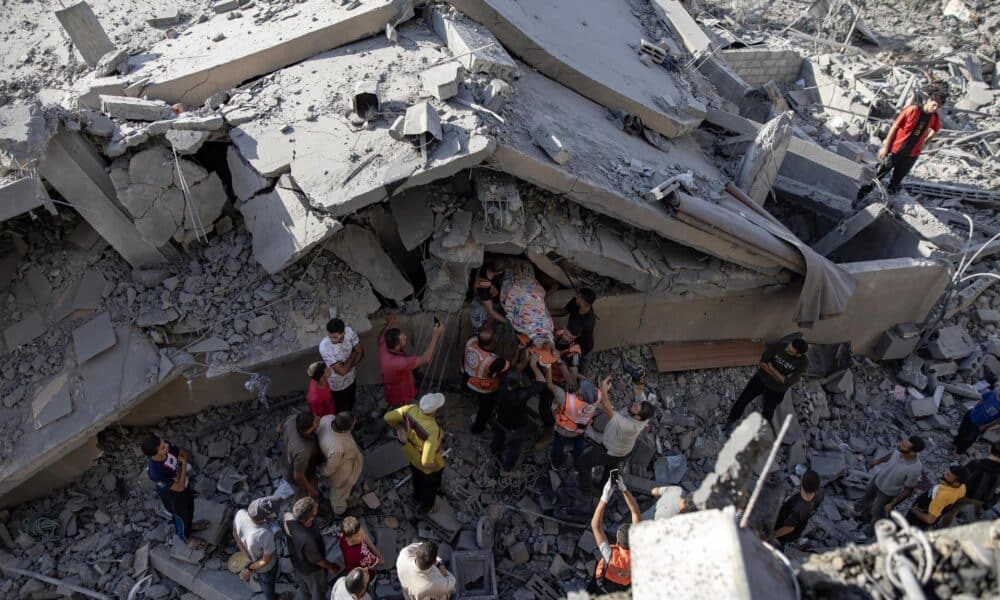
pixel 200 525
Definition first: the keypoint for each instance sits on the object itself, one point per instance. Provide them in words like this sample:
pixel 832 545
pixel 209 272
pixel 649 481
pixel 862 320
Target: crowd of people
pixel 502 374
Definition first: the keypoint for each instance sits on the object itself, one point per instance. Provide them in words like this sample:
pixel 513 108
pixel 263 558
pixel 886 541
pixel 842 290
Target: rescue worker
pixel 482 367
pixel 417 429
pixel 614 570
pixel 487 310
pixel 573 411
pixel 570 354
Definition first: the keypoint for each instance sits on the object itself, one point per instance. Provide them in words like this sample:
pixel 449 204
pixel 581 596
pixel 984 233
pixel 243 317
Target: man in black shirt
pixel 781 365
pixel 512 400
pixel 487 310
pixel 793 516
pixel 981 488
pixel 582 320
pixel 307 550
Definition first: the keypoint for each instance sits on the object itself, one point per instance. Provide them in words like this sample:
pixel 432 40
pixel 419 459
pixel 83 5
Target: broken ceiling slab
pixel 414 217
pixel 18 196
pixel 361 250
pixel 24 331
pixel 480 52
pixel 93 337
pixel 682 25
pixel 284 227
pixel 24 133
pixel 604 252
pixel 210 584
pixel 759 167
pixel 53 401
pixel 844 231
pixel 587 46
pixel 86 32
pixel 587 181
pixel 245 180
pixel 192 72
pixel 342 168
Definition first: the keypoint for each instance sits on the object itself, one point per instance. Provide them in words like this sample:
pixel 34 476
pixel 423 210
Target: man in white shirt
pixel 255 539
pixel 341 351
pixel 353 586
pixel 422 574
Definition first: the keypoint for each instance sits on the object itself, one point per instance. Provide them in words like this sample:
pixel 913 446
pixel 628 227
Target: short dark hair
pixel 961 473
pixel 350 526
pixel 646 410
pixel 496 262
pixel 918 443
pixel 810 481
pixel 623 535
pixel 354 583
pixel 587 294
pixel 392 338
pixel 938 92
pixel 801 346
pixel 427 555
pixel 150 444
pixel 343 421
pixel 335 326
pixel 304 421
pixel 995 448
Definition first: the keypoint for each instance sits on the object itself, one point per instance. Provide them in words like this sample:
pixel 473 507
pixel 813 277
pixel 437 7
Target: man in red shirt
pixel 913 127
pixel 397 367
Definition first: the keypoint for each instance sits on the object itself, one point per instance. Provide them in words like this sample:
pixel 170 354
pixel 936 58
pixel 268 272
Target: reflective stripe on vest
pixel 477 366
pixel 570 415
pixel 619 569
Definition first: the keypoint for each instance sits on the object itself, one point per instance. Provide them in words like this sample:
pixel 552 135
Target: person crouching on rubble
pixel 913 127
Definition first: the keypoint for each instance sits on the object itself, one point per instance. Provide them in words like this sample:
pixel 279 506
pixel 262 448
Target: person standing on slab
pixel 307 550
pixel 422 574
pixel 482 367
pixel 167 468
pixel 795 512
pixel 893 482
pixel 982 417
pixel 397 367
pixel 342 352
pixel 781 365
pixel 912 128
pixel 620 435
pixel 343 458
pixel 255 539
pixel 301 453
pixel 417 429
pixel 319 399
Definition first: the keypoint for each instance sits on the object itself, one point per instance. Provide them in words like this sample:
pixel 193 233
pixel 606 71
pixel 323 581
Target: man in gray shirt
pixel 892 483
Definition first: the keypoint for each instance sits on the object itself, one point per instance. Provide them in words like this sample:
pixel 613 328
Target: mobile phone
pixel 615 476
pixel 437 321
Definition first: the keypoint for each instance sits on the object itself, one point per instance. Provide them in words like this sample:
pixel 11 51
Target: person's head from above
pixel 306 424
pixel 990 378
pixel 485 338
pixel 995 450
pixel 316 371
pixel 426 555
pixel 430 403
pixel 335 329
pixel 621 536
pixel 955 476
pixel 305 510
pixel 587 392
pixel 809 485
pixel 154 446
pixel 356 582
pixel 351 528
pixel 937 96
pixel 515 379
pixel 495 264
pixel 797 347
pixel 262 509
pixel 343 422
pixel 911 446
pixel 585 298
pixel 642 410
pixel 395 339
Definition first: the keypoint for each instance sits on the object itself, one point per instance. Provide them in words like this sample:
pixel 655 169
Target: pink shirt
pixel 397 376
pixel 319 399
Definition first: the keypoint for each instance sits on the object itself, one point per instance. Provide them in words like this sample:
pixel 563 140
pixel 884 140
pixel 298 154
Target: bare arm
pixel 884 149
pixel 569 375
pixel 492 311
pixel 783 531
pixel 923 515
pixel 605 396
pixel 548 380
pixel 879 461
pixel 180 480
pixel 595 524
pixel 901 496
pixel 633 506
pixel 536 370
pixel 390 322
pixel 373 548
pixel 425 358
pixel 343 368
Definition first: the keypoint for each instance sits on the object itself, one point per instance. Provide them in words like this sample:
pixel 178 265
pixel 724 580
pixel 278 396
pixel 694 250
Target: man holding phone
pixel 614 571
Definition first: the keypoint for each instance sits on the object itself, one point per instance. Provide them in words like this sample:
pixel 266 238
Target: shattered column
pixel 760 165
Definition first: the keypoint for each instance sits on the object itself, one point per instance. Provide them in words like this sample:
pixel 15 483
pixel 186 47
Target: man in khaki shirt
pixel 422 574
pixel 344 460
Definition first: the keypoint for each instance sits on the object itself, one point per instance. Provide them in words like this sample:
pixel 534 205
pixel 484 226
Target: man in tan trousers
pixel 344 460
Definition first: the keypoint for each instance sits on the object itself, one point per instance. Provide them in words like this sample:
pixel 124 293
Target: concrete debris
pixel 442 81
pixel 760 165
pixel 422 119
pixel 186 141
pixel 114 62
pixel 86 32
pixel 360 249
pixel 94 337
pixel 949 343
pixel 729 483
pixel 135 109
pixel 24 133
pixel 475 48
pixel 550 143
pixel 284 227
pixel 496 94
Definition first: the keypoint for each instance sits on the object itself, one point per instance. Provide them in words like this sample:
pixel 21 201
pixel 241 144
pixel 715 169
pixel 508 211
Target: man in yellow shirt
pixel 929 507
pixel 421 436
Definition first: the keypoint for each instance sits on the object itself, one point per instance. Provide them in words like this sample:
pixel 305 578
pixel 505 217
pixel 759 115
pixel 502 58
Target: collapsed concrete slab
pixel 480 52
pixel 190 73
pixel 759 168
pixel 245 180
pixel 342 178
pixel 24 135
pixel 284 227
pixel 361 250
pixel 83 27
pixel 595 61
pixel 20 195
pixel 75 170
pixel 209 584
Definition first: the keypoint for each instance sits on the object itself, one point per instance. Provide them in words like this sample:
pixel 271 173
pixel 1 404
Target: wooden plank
pixel 691 356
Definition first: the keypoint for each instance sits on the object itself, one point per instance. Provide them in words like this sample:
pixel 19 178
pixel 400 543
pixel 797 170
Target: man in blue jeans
pixel 167 469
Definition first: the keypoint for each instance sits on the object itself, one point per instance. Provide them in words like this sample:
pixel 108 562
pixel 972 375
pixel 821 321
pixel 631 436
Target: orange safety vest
pixel 570 415
pixel 619 568
pixel 477 366
pixel 557 376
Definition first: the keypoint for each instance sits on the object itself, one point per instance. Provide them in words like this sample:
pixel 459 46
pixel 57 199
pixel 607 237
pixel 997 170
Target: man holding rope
pixel 397 367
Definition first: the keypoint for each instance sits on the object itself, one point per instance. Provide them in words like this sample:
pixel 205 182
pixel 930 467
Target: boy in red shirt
pixel 319 398
pixel 912 128
pixel 357 548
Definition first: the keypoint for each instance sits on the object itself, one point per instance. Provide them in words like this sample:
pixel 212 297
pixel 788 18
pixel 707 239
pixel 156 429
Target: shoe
pixel 635 372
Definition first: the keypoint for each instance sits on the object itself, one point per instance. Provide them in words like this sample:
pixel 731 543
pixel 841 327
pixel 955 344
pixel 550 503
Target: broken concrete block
pixel 86 32
pixel 894 346
pixel 921 407
pixel 442 81
pixel 209 123
pixel 24 331
pixel 246 181
pixel 519 553
pixel 283 227
pixel 212 344
pixel 186 141
pixel 164 17
pixel 262 324
pixel 93 337
pixel 735 465
pixel 422 118
pixel 18 196
pixel 496 93
pixel 759 167
pixel 949 343
pixel 829 465
pixel 384 460
pixel 987 315
pixel 414 218
pixel 840 383
pixel 459 229
pixel 115 61
pixel 478 50
pixel 156 317
pixel 223 6
pixel 361 250
pixel 24 134
pixel 53 401
pixel 544 138
pixel 135 109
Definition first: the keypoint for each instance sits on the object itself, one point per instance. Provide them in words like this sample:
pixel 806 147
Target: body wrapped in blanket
pixel 523 299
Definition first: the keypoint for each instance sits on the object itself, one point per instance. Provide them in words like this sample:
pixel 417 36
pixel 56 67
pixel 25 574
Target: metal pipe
pixel 55 582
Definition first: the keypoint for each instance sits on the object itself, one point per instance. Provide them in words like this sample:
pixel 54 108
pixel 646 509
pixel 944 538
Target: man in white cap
pixel 418 430
pixel 255 539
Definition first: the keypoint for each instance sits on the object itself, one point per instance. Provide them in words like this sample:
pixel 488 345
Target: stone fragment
pixel 93 337
pixel 262 324
pixel 223 6
pixel 414 218
pixel 246 181
pixel 950 343
pixel 284 227
pixel 114 61
pixel 164 17
pixel 829 465
pixel 544 138
pixel 921 407
pixel 519 553
pixel 212 344
pixel 135 109
pixel 441 81
pixel 186 141
pixel 24 331
pixel 496 93
pixel 729 483
pixel 97 124
pixel 361 250
pixel 86 32
pixel 474 46
pixel 209 123
pixel 156 317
